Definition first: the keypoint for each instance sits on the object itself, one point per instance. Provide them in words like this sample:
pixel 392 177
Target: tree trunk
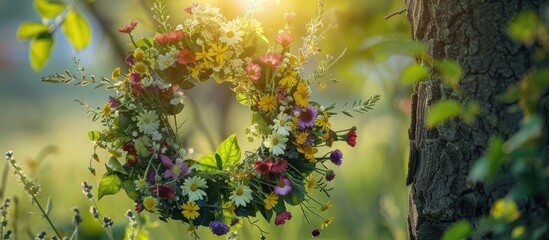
pixel 473 32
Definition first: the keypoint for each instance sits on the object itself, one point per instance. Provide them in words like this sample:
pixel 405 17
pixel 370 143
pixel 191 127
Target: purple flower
pixel 113 102
pixel 315 233
pixel 330 175
pixel 284 186
pixel 179 169
pixel 130 60
pixel 336 157
pixel 219 228
pixel 135 77
pixel 151 177
pixel 306 117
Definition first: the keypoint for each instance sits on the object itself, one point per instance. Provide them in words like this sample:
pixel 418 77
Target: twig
pixel 395 13
pixel 108 30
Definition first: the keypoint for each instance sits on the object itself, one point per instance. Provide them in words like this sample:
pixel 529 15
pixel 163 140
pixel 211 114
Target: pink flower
pixel 272 60
pixel 175 36
pixel 163 192
pixel 186 56
pixel 279 165
pixel 189 9
pixel 283 187
pixel 284 39
pixel 179 169
pixel 129 27
pixel 253 71
pixel 282 217
pixel 289 17
pixel 263 167
pixel 162 39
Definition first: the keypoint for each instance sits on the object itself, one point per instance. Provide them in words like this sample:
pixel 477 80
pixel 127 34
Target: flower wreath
pixel 219 189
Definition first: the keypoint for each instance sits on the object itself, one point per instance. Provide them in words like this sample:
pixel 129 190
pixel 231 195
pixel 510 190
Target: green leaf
pixel 450 72
pixel 229 152
pixel 115 165
pixel 487 166
pixel 523 28
pixel 94 136
pixel 469 113
pixel 442 111
pixel 414 73
pixel 109 185
pixel 49 206
pixel 539 79
pixel 208 163
pixel 243 99
pixel 29 30
pixel 219 162
pixel 531 129
pixel 77 30
pixel 460 230
pixel 49 9
pixel 262 125
pixel 39 51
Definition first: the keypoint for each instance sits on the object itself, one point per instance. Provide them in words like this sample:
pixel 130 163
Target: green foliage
pixel 39 51
pixel 523 28
pixel 49 206
pixel 75 27
pixel 49 9
pixel 361 106
pixel 77 30
pixel 114 165
pixel 414 73
pixel 226 155
pixel 458 231
pixel 94 136
pixel 29 30
pixel 450 72
pixel 486 167
pixel 442 111
pixel 110 184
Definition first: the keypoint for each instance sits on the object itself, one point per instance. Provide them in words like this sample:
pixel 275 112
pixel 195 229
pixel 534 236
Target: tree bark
pixel 473 32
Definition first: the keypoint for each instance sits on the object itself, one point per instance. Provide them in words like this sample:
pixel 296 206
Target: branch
pixel 395 13
pixel 109 31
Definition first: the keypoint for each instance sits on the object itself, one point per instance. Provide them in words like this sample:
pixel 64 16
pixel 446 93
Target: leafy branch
pixel 67 77
pixel 360 106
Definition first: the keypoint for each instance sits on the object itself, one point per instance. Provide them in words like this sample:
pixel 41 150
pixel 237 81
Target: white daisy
pixel 231 33
pixel 193 187
pixel 147 122
pixel 276 143
pixel 282 125
pixel 242 195
pixel 165 61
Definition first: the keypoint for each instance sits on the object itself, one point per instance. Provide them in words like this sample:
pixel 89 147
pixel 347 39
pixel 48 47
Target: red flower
pixel 351 137
pixel 162 39
pixel 175 36
pixel 129 27
pixel 282 217
pixel 185 56
pixel 163 192
pixel 263 167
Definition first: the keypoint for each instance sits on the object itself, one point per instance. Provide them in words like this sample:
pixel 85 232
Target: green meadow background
pixel 47 130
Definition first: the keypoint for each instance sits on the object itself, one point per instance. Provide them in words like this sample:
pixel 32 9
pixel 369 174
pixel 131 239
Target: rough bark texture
pixel 473 32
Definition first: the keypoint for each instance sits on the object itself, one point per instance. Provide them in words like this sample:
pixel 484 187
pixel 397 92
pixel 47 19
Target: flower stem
pixel 46 216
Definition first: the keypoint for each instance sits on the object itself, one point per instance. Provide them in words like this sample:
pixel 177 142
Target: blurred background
pixel 47 130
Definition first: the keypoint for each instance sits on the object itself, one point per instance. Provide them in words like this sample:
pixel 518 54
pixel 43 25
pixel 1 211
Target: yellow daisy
pixel 219 52
pixel 301 95
pixel 308 151
pixel 326 206
pixel 190 210
pixel 271 201
pixel 267 103
pixel 326 222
